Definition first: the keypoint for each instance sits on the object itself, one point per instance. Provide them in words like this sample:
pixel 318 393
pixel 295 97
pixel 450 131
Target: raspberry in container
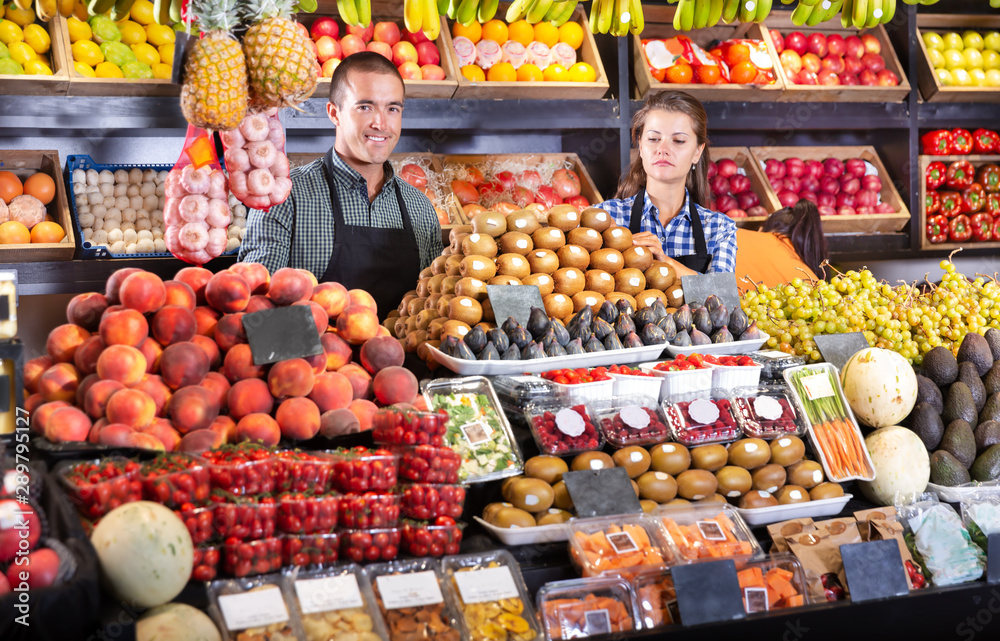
pixel 244 469
pixel 360 469
pixel 700 418
pixel 708 532
pixel 251 609
pixel 767 411
pixel 477 428
pixel 427 464
pixel 441 536
pixel 243 518
pixel 409 596
pixel 299 471
pixel 243 558
pixel 631 420
pixel 368 510
pixel 336 604
pixel 305 513
pixel 313 550
pixel 656 598
pixel 372 544
pixel 618 545
pixel 774 583
pixel 101 485
pixel 198 520
pixel 489 592
pixel 206 562
pixel 431 500
pixel 586 607
pixel 562 427
pixel 397 426
pixel 175 479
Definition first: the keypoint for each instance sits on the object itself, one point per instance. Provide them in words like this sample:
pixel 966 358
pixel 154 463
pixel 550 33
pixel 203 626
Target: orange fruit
pixel 555 73
pixel 502 72
pixel 41 186
pixel 529 73
pixel 572 34
pixel 47 232
pixel 521 31
pixel 473 32
pixel 547 33
pixel 14 233
pixel 680 73
pixel 495 30
pixel 709 75
pixel 582 72
pixel 473 73
pixel 10 186
pixel 737 53
pixel 743 72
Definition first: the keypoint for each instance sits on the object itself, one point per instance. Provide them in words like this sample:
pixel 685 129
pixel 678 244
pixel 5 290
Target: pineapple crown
pixel 215 15
pixel 258 10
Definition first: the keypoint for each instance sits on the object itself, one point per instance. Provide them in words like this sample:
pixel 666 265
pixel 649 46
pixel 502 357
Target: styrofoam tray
pixel 527 535
pixel 776 513
pixel 495 368
pixel 957 494
pixel 720 349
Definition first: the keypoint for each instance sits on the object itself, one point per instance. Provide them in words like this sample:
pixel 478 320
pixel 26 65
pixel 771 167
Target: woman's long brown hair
pixel 676 102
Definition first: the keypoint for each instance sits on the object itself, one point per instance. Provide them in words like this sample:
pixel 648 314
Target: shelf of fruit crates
pixel 930 87
pixel 925 244
pixel 38 85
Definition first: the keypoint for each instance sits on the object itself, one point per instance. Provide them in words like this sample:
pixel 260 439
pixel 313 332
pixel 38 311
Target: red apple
pixel 833 167
pixel 871 43
pixel 884 208
pixel 816 43
pixel 835 45
pixel 428 54
pixel 791 62
pixel 794 167
pixel 727 167
pixel 725 202
pixel 791 183
pixel 806 77
pixel 410 70
pixel 747 199
pixel 414 38
pixel 826 200
pixel 846 211
pixel 871 183
pixel 788 198
pixel 382 48
pixel 403 52
pixel 856 167
pixel 547 196
pixel 324 27
pixel 712 170
pixel 848 79
pixel 828 78
pixel 719 185
pixel 757 211
pixel 829 185
pixel 774 168
pixel 327 48
pixel 578 201
pixel 827 210
pixel 491 188
pixel 796 41
pixel 833 63
pixel 432 72
pixel 868 78
pixel 852 65
pixel 855 48
pixel 849 185
pixel 736 213
pixel 351 44
pixel 387 32
pixel 845 199
pixel 862 210
pixel 779 42
pixel 738 183
pixel 811 62
pixel 312 45
pixel 873 61
pixel 329 67
pixel 866 198
pixel 365 33
pixel 808 195
pixel 814 169
pixel 808 183
pixel 507 179
pixel 887 78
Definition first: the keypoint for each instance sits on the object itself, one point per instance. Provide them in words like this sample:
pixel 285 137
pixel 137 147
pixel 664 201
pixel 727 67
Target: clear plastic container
pixel 632 420
pixel 708 532
pixel 336 604
pixel 368 510
pixel 200 522
pixel 635 385
pixel 586 392
pixel 656 598
pixel 299 471
pixel 774 363
pixel 424 538
pixel 767 411
pixel 244 558
pixel 410 598
pixel 253 608
pixel 175 480
pixel 360 469
pixel 243 518
pixel 243 469
pixel 562 427
pixel 488 590
pixel 729 376
pixel 396 426
pixel 586 607
pixel 205 566
pixel 431 500
pixel 774 583
pixel 312 550
pixel 304 514
pixel 427 464
pixel 619 545
pixel 477 428
pixel 713 421
pixel 100 485
pixel 372 544
pixel 680 381
pixel 515 392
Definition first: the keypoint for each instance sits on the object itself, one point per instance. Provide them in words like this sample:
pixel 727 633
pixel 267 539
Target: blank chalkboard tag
pixel 699 287
pixel 708 592
pixel 282 333
pixel 993 559
pixel 5 388
pixel 603 492
pixel 837 349
pixel 182 43
pixel 874 570
pixel 514 300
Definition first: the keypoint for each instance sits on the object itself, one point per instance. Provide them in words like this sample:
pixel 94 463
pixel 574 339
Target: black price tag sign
pixel 699 287
pixel 993 559
pixel 514 300
pixel 874 570
pixel 282 333
pixel 837 349
pixel 603 492
pixel 708 592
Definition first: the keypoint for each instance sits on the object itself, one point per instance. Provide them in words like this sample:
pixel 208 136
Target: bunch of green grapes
pixel 896 317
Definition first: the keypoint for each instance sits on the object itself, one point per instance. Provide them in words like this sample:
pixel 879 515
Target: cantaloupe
pixel 176 622
pixel 902 466
pixel 880 385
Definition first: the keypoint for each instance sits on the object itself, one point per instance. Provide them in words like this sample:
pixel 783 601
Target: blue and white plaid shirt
pixel 677 238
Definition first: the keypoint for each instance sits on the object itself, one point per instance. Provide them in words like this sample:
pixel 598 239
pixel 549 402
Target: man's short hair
pixel 363 62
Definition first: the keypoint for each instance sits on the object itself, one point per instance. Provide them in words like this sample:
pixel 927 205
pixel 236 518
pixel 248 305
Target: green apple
pixel 953 41
pixel 993 78
pixel 991 59
pixel 961 77
pixel 944 77
pixel 934 41
pixel 953 59
pixel 937 58
pixel 973 40
pixel 973 58
pixel 992 40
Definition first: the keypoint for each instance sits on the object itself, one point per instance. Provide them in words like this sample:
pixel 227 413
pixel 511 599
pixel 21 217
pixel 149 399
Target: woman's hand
pixel 650 241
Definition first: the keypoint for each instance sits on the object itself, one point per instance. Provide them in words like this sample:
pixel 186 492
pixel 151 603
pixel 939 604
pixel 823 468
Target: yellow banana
pixel 537 11
pixel 487 10
pixel 593 17
pixel 684 17
pixel 605 18
pixel 518 9
pixel 801 14
pixel 701 9
pixel 763 9
pixel 431 20
pixel 467 12
pixel 46 9
pixel 874 14
pixel 888 10
pixel 364 12
pixel 348 12
pixel 413 15
pixel 730 9
pixel 846 13
pixel 23 5
pixel 715 12
pixel 748 9
pixel 860 15
pixel 638 21
pixel 567 13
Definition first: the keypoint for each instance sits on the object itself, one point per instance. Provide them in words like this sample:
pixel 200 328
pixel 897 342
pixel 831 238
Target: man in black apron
pixel 700 260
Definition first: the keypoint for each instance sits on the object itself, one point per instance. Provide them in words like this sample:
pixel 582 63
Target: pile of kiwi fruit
pixel 749 473
pixel 576 259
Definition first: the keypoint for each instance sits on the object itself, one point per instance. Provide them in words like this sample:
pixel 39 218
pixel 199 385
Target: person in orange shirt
pixel 789 245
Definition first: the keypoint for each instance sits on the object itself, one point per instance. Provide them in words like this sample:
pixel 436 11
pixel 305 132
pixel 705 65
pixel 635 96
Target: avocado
pixel 968 374
pixel 959 404
pixel 991 409
pixel 940 366
pixel 947 470
pixel 993 339
pixel 992 379
pixel 960 441
pixel 987 435
pixel 929 392
pixel 987 466
pixel 975 349
pixel 926 423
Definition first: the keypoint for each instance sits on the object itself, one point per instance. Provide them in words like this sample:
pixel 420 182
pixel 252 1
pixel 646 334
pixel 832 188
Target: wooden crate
pixel 538 90
pixel 924 161
pixel 930 88
pixel 55 85
pixel 659 25
pixel 781 21
pixel 859 224
pixel 758 182
pixel 25 163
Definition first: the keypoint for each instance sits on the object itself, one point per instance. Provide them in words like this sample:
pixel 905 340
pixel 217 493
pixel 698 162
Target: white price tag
pixel 622 542
pixel 483 586
pixel 476 433
pixel 409 590
pixel 711 531
pixel 329 593
pixel 570 423
pixel 818 386
pixel 253 609
pixel 634 416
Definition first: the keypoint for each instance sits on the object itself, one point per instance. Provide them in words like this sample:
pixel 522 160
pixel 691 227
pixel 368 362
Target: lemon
pixel 37 38
pixel 158 34
pixel 162 71
pixel 145 52
pixel 132 32
pixel 37 68
pixel 166 53
pixel 78 29
pixel 10 32
pixel 142 12
pixel 108 70
pixel 84 69
pixel 22 53
pixel 20 17
pixel 87 52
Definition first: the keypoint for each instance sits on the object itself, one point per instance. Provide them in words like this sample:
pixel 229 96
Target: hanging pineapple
pixel 281 65
pixel 214 95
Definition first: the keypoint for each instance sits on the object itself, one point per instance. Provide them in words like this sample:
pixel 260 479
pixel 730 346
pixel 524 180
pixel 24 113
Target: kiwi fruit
pixel 423 287
pixel 453 265
pixel 807 474
pixel 456 328
pixel 514 265
pixel 558 305
pixel 749 453
pixel 414 340
pixel 548 238
pixel 569 281
pixel 696 484
pixel 733 481
pixel 456 243
pixel 660 276
pixel 425 317
pixel 488 315
pixel 471 287
pixel 638 257
pixel 671 458
pixel 791 494
pixel 590 239
pixel 449 282
pixel 634 459
pixel 553 516
pixel 756 499
pixel 593 300
pixel 573 256
pixel 787 450
pixel 546 468
pixel 630 281
pixel 490 511
pixel 591 461
pixel 600 281
pixel 648 297
pixel 465 309
pixel 432 300
pixel 561 498
pixel 709 457
pixel 481 267
pixel 436 327
pixel 415 305
pixel 596 219
pixel 503 279
pixel 635 487
pixel 425 272
pixel 523 221
pixel 480 245
pixel 712 499
pixel 769 478
pixel 607 259
pixel 543 261
pixel 675 296
pixel 443 302
pixel 648 506
pixel 826 491
pixel 515 242
pixel 507 517
pixel 434 283
pixel 619 238
pixel 543 281
pixel 657 486
pixel 492 223
pixel 564 217
pixel 531 495
pixel 507 485
pixel 678 502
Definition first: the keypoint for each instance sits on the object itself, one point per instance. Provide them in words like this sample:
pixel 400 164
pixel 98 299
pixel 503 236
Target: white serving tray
pixel 499 368
pixel 776 513
pixel 720 349
pixel 957 494
pixel 527 535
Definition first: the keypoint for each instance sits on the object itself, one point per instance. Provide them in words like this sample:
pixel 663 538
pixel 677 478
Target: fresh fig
pixel 608 311
pixel 462 351
pixel 682 318
pixel 643 317
pixel 624 307
pixel 719 317
pixel 633 340
pixel 489 353
pixel 738 321
pixel 520 337
pixel 653 335
pixel 659 309
pixel 548 338
pixel 624 325
pixel 538 322
pixel 667 325
pixel 581 318
pixel 611 341
pixel 722 335
pixel 475 339
pixel 512 353
pixel 712 302
pixel 510 324
pixel 499 339
pixel 700 338
pixel 448 345
pixel 555 349
pixel 682 339
pixel 601 328
pixel 580 331
pixel 594 345
pixel 532 351
pixel 702 320
pixel 575 346
pixel 562 334
pixel 751 333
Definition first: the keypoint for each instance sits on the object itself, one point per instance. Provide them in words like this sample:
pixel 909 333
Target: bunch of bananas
pixel 357 13
pixel 466 12
pixel 422 15
pixel 700 14
pixel 866 14
pixel 617 17
pixel 813 12
pixel 45 10
pixel 993 3
pixel 558 12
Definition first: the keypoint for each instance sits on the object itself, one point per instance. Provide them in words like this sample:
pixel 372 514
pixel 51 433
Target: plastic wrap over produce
pixel 256 161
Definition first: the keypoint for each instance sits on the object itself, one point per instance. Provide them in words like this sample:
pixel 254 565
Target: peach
pixel 131 407
pixel 183 364
pixel 173 324
pixel 207 318
pixel 113 308
pixel 85 310
pixel 255 274
pixel 143 292
pixel 180 293
pixel 95 402
pixel 317 362
pixel 387 32
pixel 292 377
pixel 157 390
pixel 152 351
pixel 289 285
pixel 238 364
pixel 360 379
pixel 403 52
pixel 200 442
pixel 383 331
pixel 59 383
pixel 40 417
pixel 227 292
pixel 125 364
pixel 114 283
pixel 218 384
pixel 193 408
pixel 258 303
pixel 225 427
pixel 211 349
pixel 84 387
pixel 332 391
pixel 33 402
pixel 361 297
pixel 258 428
pixel 85 358
pixel 319 315
pixel 351 44
pixel 145 441
pixel 364 411
pixel 63 341
pixel 395 385
pixel 33 369
pixel 126 327
pixel 67 424
pixel 95 430
pixel 332 297
pixel 338 352
pixel 338 422
pixel 196 278
pixel 432 72
pixel 357 324
pixel 115 434
pixel 230 332
pixel 381 352
pixel 249 396
pixel 298 419
pixel 163 430
pixel 410 70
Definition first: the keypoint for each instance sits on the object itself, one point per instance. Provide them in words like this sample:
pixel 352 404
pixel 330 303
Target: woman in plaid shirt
pixel 661 199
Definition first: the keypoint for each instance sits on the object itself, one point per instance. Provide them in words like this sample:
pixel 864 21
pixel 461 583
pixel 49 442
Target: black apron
pixel 700 260
pixel 383 262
